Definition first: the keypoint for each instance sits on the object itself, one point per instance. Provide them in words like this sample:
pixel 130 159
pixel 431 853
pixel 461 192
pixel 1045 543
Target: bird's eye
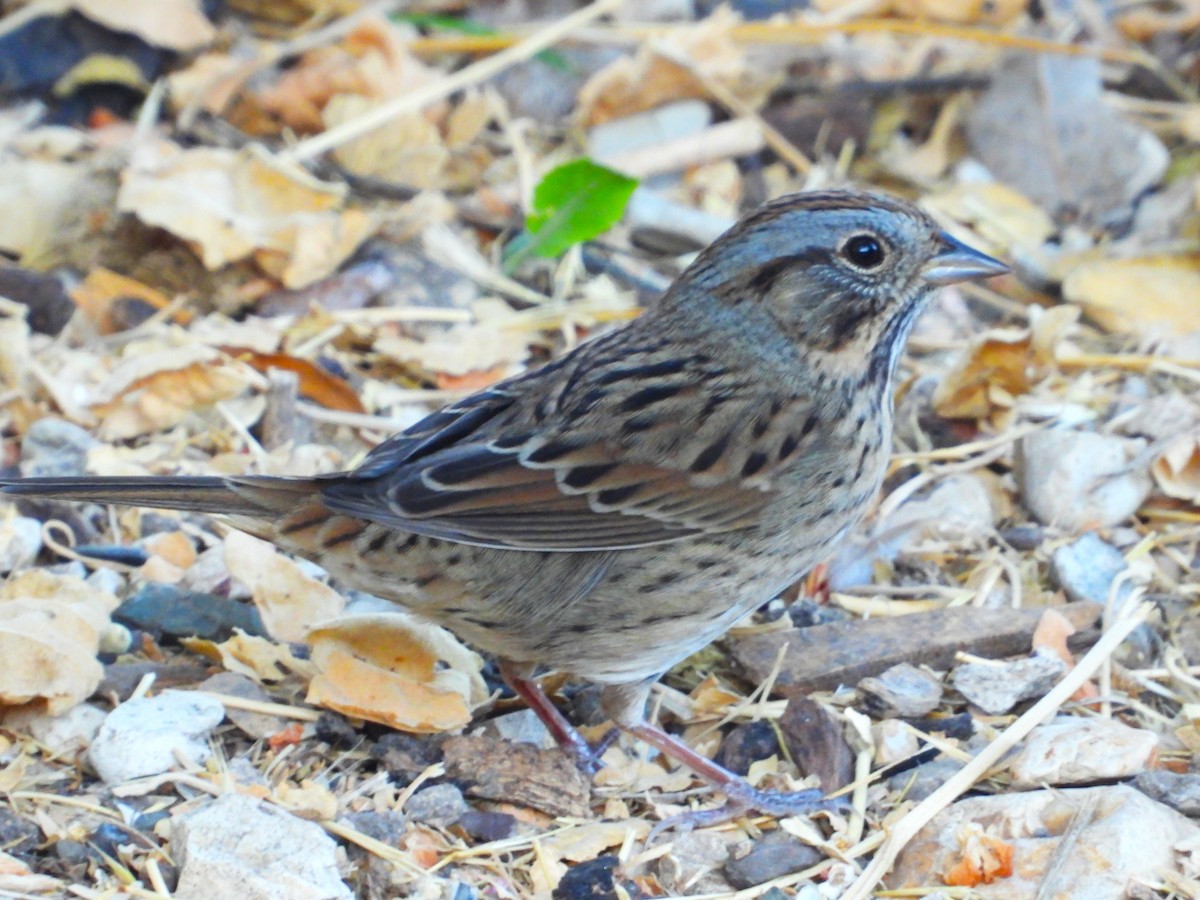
pixel 863 251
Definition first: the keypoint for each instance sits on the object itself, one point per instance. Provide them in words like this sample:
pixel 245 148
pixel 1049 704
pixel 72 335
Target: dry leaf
pixel 246 654
pixel 316 384
pixel 50 631
pixel 1150 296
pixel 233 205
pixel 651 78
pixel 174 24
pixel 408 149
pixel 461 350
pixel 1177 469
pixel 289 601
pixel 102 287
pixel 1001 364
pixel 394 669
pixel 152 390
pixel 1001 215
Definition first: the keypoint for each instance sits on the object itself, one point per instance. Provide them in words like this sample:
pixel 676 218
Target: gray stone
pixel 165 610
pixel 1073 750
pixel 20 542
pixel 1180 791
pixel 772 856
pixel 240 847
pixel 1086 568
pixel 902 691
pixel 53 447
pixel 1074 844
pixel 440 805
pixel 1078 480
pixel 694 864
pixel 998 687
pixel 255 724
pixel 149 735
pixel 917 784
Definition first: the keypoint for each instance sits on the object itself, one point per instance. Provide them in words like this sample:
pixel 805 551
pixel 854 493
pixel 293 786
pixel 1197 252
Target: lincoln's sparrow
pixel 617 509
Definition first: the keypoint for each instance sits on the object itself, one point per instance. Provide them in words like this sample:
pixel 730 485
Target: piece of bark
pixel 815 741
pixel 523 774
pixel 843 653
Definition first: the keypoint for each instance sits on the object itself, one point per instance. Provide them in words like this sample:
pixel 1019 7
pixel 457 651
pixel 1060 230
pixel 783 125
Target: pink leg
pixel 586 757
pixel 626 703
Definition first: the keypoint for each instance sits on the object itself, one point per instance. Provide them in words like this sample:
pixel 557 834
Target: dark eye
pixel 863 251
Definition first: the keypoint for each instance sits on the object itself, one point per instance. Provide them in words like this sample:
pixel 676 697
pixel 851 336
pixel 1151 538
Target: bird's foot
pixel 742 799
pixel 587 756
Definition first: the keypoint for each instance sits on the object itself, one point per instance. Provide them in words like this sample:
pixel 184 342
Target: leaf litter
pixel 306 243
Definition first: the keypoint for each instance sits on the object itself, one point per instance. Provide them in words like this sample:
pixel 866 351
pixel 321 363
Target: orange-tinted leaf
pixel 97 293
pixel 316 384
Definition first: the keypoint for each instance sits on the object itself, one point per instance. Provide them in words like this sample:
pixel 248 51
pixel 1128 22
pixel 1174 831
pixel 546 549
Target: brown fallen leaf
pixel 316 384
pixel 1000 365
pixel 290 601
pixel 100 291
pixel 234 205
pixel 50 631
pixel 1177 469
pixel 153 389
pixel 1149 296
pixel 392 668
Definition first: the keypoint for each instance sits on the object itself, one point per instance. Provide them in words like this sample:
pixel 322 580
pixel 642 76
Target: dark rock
pixel 121 679
pixel 903 691
pixel 773 855
pixel 959 727
pixel 406 756
pixel 164 610
pixel 43 294
pixel 70 852
pixel 439 804
pixel 386 827
pixel 54 447
pixel 591 880
pixel 335 730
pixel 747 744
pixel 816 744
pixel 18 835
pixel 109 837
pixel 1180 791
pixel 805 613
pixel 486 827
pixel 919 783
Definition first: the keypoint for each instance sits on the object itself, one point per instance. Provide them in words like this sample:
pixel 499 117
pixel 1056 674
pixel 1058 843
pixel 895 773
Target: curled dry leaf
pixel 50 631
pixel 1177 469
pixel 102 288
pixel 154 389
pixel 316 384
pixel 392 668
pixel 289 601
pixel 651 77
pixel 1001 364
pixel 174 24
pixel 255 657
pixel 1150 296
pixel 237 204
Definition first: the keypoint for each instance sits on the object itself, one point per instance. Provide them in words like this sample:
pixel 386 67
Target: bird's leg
pixel 626 703
pixel 587 757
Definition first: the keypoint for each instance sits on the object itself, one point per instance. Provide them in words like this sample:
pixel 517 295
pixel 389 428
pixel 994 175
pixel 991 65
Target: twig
pixel 475 73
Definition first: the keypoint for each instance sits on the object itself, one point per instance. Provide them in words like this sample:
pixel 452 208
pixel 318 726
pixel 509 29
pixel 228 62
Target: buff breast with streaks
pixel 620 507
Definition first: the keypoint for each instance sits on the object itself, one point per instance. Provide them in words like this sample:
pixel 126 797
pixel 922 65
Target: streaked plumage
pixel 617 509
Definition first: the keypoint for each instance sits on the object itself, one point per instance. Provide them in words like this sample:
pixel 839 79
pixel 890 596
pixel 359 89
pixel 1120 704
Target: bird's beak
pixel 958 262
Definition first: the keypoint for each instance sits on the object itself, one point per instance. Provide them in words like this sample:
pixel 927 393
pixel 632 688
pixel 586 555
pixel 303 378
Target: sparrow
pixel 617 509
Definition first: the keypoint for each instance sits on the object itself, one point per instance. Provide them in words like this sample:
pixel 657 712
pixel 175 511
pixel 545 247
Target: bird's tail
pixel 245 495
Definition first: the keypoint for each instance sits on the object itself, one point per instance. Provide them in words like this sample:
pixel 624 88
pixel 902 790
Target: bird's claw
pixel 587 757
pixel 743 799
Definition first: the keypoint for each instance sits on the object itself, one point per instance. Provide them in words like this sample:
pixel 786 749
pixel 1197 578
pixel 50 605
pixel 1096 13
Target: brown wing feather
pixel 543 462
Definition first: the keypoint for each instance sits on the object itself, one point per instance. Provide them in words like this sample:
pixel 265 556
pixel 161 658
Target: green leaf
pixel 573 203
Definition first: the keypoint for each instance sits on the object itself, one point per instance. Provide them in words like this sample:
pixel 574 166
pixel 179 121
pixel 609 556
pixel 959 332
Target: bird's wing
pixel 494 471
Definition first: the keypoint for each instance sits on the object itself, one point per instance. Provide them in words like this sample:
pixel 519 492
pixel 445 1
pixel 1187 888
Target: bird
pixel 620 507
